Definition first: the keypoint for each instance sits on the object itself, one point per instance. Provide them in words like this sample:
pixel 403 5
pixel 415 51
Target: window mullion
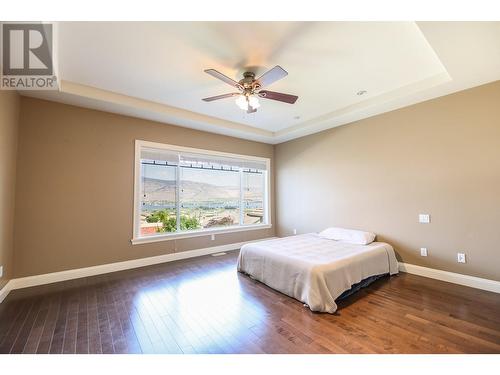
pixel 242 203
pixel 265 198
pixel 178 197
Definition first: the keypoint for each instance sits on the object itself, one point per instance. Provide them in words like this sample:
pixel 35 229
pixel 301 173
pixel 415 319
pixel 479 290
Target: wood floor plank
pixel 37 330
pixel 70 332
pixel 82 331
pixel 24 332
pixel 57 339
pixel 202 305
pixel 49 324
pixel 93 321
pixel 13 332
pixel 106 338
pixel 9 313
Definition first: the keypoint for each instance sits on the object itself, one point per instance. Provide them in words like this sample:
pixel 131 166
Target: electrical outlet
pixel 423 251
pixel 424 218
pixel 460 257
pixel 295 231
pixel 212 237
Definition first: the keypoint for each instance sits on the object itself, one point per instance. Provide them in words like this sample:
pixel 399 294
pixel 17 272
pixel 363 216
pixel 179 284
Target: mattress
pixel 315 270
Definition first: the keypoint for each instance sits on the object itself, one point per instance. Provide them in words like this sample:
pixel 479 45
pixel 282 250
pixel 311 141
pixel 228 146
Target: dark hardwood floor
pixel 203 305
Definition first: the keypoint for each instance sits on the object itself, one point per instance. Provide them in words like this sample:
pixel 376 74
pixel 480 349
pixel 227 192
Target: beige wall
pixel 9 113
pixel 74 202
pixel 440 157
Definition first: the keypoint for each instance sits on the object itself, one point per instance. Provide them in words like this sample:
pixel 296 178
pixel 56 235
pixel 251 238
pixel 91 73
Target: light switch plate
pixel 295 231
pixel 424 218
pixel 423 251
pixel 1 271
pixel 461 258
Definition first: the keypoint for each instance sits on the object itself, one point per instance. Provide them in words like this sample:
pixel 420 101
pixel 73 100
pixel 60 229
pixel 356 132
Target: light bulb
pixel 253 101
pixel 241 101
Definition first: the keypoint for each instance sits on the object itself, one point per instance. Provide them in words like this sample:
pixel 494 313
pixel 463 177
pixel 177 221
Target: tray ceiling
pixel 154 70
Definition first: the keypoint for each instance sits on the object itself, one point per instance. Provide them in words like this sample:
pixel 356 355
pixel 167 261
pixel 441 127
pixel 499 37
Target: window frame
pixel 138 239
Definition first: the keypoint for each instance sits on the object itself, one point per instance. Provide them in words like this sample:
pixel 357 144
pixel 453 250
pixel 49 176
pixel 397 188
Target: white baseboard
pixel 451 277
pixel 48 278
pixel 5 291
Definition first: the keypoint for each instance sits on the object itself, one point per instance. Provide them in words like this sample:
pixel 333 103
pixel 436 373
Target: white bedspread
pixel 315 270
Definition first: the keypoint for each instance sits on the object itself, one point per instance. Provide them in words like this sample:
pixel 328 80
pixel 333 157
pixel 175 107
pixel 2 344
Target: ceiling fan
pixel 250 88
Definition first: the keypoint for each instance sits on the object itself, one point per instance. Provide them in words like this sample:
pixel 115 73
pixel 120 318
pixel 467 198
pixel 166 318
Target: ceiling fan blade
pixel 223 96
pixel 272 76
pixel 223 78
pixel 279 96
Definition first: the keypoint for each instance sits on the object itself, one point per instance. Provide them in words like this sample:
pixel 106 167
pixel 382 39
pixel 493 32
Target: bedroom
pixel 342 198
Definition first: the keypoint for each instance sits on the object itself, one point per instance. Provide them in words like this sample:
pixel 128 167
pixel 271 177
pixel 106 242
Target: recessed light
pixel 362 92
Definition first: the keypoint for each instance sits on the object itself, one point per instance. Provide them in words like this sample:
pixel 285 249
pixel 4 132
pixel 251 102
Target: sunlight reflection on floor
pixel 204 313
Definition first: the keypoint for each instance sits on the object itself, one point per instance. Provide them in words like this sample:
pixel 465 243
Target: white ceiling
pixel 154 70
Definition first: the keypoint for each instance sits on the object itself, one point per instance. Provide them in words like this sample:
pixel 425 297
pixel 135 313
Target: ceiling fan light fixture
pixel 253 101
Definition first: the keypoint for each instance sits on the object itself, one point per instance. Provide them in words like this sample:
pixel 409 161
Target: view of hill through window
pixel 208 198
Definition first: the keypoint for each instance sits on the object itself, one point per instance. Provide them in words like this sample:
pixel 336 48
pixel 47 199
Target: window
pixel 183 192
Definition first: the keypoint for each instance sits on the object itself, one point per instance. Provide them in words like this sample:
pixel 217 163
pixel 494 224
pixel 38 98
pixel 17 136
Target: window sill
pixel 197 233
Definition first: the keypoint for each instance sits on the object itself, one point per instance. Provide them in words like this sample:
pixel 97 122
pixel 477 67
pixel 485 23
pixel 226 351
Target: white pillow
pixel 348 235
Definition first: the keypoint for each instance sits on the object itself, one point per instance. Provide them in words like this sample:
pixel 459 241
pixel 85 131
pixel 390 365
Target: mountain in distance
pixel 162 190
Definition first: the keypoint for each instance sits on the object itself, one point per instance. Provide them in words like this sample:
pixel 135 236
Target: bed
pixel 313 269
